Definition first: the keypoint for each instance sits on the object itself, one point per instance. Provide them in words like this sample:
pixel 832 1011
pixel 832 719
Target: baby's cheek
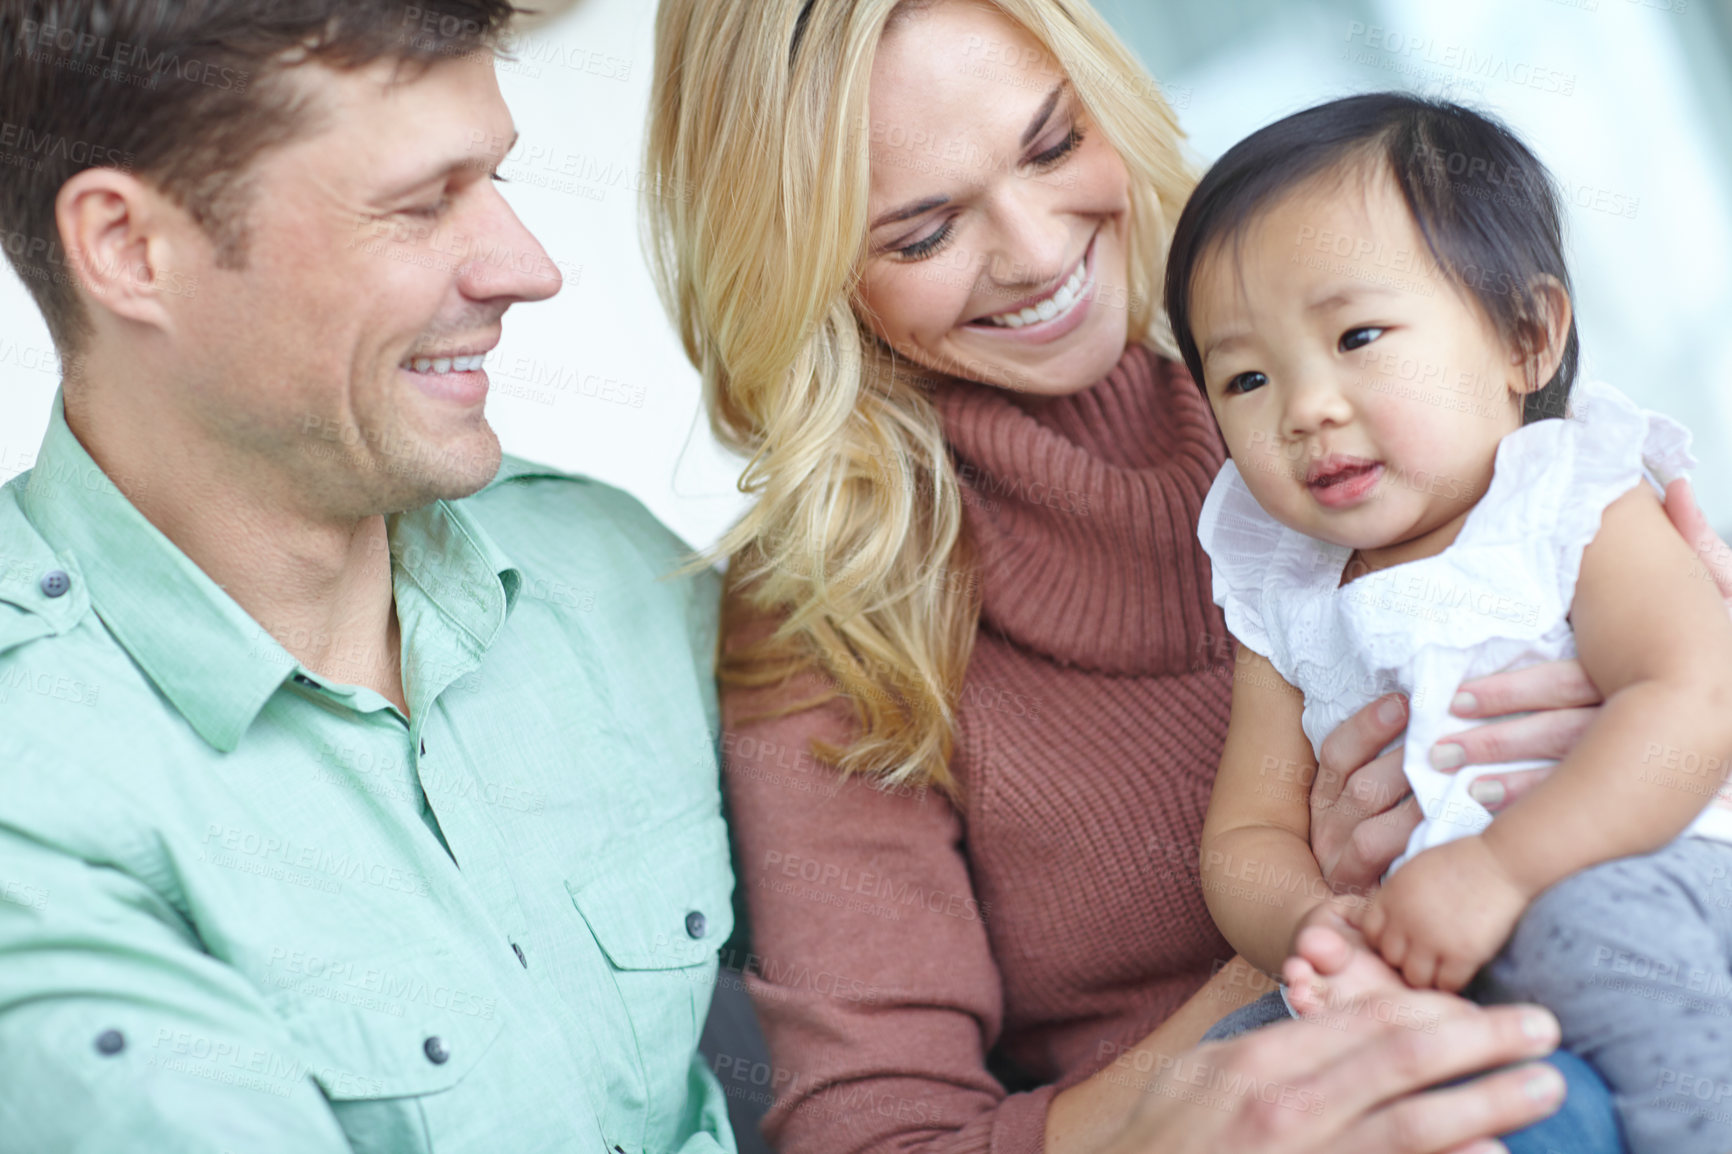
pixel 1267 466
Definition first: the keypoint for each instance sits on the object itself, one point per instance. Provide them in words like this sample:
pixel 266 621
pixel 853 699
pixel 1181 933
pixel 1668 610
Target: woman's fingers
pixel 1358 793
pixel 1429 1048
pixel 1443 1120
pixel 1355 742
pixel 1358 823
pixel 1355 864
pixel 1548 735
pixel 1687 518
pixel 1550 685
pixel 1326 1087
pixel 1497 791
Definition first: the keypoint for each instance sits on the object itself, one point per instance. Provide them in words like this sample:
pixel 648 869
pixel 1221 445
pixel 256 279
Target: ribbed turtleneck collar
pixel 1084 512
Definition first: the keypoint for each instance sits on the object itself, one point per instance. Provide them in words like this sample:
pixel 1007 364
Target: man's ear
pixel 117 250
pixel 1542 335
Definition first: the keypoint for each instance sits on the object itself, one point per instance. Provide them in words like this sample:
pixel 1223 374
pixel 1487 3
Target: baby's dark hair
pixel 1487 208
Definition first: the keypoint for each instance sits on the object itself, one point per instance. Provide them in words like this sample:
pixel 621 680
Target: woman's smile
pixel 1048 316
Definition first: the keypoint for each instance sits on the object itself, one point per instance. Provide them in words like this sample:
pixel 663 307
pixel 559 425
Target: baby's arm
pixel 1655 639
pixel 1260 879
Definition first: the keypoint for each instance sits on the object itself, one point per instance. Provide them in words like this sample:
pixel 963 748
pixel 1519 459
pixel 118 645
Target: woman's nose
pixel 1033 243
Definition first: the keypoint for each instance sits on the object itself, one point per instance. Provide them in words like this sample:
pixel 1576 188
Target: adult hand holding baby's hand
pixel 1444 914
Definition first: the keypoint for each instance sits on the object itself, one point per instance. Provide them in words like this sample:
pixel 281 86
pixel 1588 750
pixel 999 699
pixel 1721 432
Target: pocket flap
pixel 667 905
pixel 411 1022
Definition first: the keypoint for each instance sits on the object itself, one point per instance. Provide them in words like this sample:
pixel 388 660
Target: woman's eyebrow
pixel 1043 115
pixel 909 211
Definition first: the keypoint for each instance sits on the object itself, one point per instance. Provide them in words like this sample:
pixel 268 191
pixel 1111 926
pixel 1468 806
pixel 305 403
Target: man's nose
pixel 507 262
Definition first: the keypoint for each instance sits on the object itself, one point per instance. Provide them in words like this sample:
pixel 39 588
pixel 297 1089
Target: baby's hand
pixel 1445 914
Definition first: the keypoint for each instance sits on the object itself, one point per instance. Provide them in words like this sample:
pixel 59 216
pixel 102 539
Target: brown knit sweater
pixel 1055 914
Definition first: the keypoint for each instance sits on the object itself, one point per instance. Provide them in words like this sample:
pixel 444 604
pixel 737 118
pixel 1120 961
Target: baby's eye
pixel 1245 382
pixel 1359 338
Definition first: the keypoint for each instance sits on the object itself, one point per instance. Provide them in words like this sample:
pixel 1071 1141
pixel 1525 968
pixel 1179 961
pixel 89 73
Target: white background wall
pixel 1628 102
pixel 594 380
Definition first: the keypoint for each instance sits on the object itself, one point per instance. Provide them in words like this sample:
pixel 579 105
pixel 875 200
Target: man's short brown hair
pixel 184 93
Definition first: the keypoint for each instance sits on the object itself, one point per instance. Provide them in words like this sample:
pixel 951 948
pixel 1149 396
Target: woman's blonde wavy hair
pixel 755 225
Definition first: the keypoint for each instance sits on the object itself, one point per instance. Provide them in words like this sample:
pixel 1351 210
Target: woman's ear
pixel 1542 335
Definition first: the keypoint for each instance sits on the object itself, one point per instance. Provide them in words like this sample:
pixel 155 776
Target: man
pixel 357 790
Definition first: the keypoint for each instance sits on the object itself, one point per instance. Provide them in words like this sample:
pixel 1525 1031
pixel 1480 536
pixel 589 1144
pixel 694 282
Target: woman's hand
pixel 1355 1081
pixel 1361 810
pixel 1714 555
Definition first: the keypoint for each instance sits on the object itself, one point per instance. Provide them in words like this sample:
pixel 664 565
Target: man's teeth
pixel 446 364
pixel 1052 306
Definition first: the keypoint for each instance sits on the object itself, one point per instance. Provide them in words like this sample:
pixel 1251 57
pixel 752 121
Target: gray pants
pixel 1635 959
pixel 1265 1011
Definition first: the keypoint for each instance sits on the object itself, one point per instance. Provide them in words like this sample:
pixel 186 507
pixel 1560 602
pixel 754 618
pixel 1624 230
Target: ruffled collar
pixel 1083 510
pixel 1510 573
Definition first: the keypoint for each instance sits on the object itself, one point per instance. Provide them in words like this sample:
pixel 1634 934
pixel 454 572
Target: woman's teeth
pixel 1058 303
pixel 446 364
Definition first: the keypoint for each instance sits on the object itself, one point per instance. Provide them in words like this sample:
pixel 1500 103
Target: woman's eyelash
pixel 1061 150
pixel 928 246
pixel 931 244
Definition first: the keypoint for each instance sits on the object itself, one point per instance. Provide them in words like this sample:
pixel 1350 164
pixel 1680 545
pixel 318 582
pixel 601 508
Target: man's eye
pixel 1359 338
pixel 1246 382
pixel 500 179
pixel 427 210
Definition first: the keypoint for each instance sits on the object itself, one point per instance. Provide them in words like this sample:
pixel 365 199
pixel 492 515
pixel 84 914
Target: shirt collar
pixel 214 662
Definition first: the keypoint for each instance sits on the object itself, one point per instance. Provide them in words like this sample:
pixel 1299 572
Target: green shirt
pixel 244 909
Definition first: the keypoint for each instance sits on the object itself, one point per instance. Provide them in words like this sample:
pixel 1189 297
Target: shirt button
pixel 521 960
pixel 55 584
pixel 435 1050
pixel 110 1043
pixel 696 924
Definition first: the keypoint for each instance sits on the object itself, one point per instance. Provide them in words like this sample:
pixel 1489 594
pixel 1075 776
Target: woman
pixel 974 682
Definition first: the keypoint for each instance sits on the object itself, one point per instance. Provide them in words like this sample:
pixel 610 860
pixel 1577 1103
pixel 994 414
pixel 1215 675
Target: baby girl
pixel 1372 295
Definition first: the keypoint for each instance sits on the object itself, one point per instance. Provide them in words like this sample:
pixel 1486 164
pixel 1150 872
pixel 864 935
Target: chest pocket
pixel 660 906
pixel 379 1034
